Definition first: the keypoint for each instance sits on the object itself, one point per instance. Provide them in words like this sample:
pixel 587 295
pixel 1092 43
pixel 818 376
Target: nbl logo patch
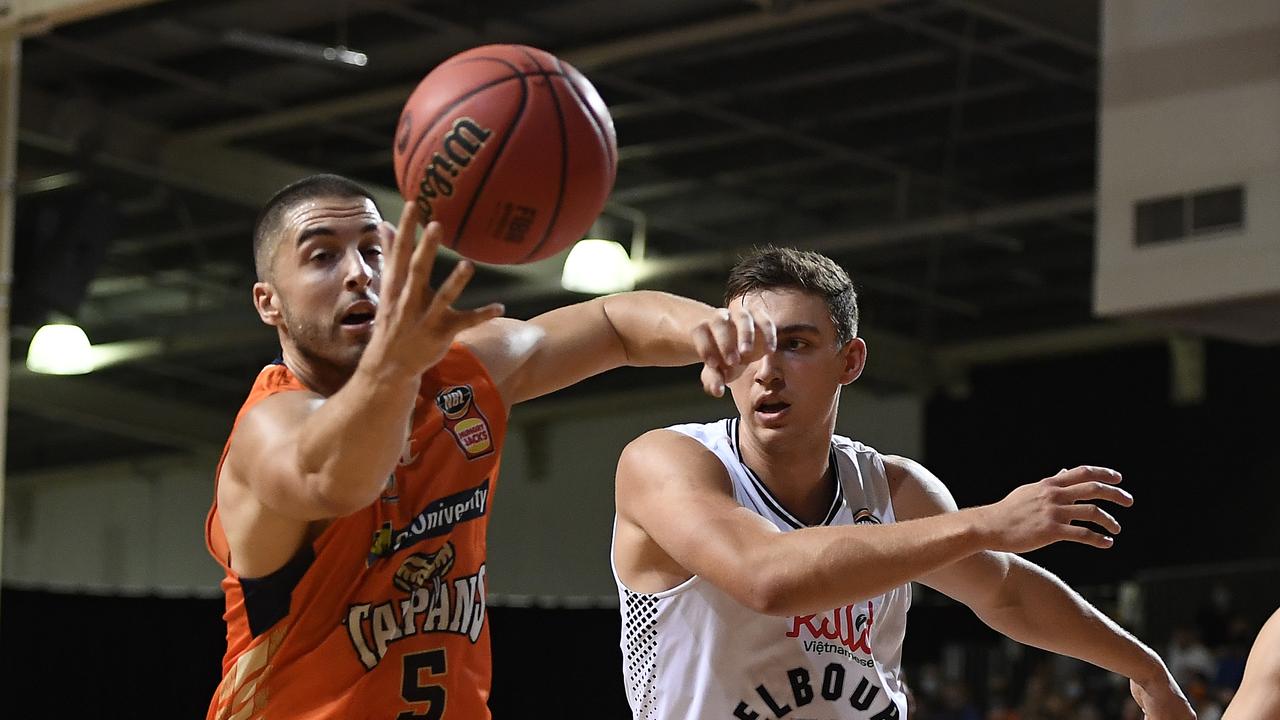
pixel 464 421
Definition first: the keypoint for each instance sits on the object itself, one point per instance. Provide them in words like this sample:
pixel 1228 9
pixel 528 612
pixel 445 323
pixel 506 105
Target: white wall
pixel 1190 101
pixel 128 527
pixel 137 527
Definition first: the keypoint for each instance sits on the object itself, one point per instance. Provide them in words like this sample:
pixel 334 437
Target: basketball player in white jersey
pixel 763 562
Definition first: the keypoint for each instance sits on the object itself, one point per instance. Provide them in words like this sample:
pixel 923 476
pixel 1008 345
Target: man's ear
pixel 855 358
pixel 267 303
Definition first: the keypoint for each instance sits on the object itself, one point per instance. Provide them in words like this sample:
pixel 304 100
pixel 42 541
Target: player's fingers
pixel 1095 490
pixel 704 341
pixel 397 262
pixel 1094 514
pixel 453 285
pixel 410 219
pixel 766 330
pixel 418 282
pixel 1085 536
pixel 726 338
pixel 712 381
pixel 465 319
pixel 745 328
pixel 1086 473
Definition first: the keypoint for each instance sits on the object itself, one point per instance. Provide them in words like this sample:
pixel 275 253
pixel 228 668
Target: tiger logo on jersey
pixel 435 603
pixel 464 421
pixel 420 569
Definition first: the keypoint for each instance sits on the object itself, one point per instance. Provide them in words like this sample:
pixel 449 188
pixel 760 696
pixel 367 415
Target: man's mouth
pixel 359 314
pixel 357 318
pixel 771 407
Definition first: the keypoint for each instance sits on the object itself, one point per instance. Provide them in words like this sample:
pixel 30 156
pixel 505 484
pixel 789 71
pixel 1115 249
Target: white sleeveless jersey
pixel 694 653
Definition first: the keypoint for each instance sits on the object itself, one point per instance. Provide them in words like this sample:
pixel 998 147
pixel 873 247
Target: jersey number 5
pixel 413 689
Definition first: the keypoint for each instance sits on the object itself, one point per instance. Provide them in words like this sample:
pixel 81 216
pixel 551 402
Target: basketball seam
pixel 484 179
pixel 564 158
pixel 595 119
pixel 413 154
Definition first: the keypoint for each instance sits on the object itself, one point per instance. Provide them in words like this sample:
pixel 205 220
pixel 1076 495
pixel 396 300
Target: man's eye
pixel 321 256
pixel 373 250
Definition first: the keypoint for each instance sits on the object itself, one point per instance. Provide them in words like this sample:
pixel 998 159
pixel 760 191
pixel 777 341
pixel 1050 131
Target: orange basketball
pixel 511 149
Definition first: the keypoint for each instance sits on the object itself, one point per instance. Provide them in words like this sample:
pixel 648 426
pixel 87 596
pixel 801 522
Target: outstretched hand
pixel 415 324
pixel 728 342
pixel 1041 513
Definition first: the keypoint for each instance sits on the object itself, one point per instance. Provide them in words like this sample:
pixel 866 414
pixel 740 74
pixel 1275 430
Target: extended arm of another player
pixel 528 359
pixel 677 493
pixel 1027 603
pixel 1259 693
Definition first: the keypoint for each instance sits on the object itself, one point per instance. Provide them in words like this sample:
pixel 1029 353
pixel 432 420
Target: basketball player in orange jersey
pixel 1259 692
pixel 353 494
pixel 763 562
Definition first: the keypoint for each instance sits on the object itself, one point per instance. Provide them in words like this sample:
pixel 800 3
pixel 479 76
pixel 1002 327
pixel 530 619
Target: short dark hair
pixel 266 231
pixel 769 268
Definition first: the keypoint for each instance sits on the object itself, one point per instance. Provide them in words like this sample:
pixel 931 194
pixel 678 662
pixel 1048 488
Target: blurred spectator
pixel 1187 656
pixel 956 703
pixel 1213 616
pixel 1030 685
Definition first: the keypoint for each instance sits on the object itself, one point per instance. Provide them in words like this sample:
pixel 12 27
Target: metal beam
pixel 790 136
pixel 1054 342
pixel 10 78
pixel 38 16
pixel 648 192
pixel 586 59
pixel 224 329
pixel 1039 69
pixel 111 409
pixel 1027 26
pixel 238 176
pixel 787 83
pixel 953 223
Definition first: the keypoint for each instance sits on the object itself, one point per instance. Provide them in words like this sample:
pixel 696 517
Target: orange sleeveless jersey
pixel 383 615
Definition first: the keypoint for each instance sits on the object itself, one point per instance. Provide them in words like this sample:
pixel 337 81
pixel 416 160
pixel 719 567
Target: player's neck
pixel 316 373
pixel 795 469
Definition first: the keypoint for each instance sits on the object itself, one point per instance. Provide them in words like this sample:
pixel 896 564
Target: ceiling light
pixel 60 350
pixel 598 267
pixel 294 49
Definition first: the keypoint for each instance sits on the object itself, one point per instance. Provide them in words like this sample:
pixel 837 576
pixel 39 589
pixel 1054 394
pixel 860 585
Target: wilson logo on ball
pixel 463 142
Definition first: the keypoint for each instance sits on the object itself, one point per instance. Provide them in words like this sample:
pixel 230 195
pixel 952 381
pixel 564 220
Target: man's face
pixel 326 274
pixel 795 388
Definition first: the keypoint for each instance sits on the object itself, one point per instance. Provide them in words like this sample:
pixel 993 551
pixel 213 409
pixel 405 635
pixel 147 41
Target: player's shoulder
pixel 668 454
pixel 268 419
pixel 916 492
pixel 676 442
pixel 850 446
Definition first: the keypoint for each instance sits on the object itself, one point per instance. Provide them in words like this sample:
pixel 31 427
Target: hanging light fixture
pixel 60 349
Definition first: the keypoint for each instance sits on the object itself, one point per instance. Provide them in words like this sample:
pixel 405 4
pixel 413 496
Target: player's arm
pixel 531 358
pixel 677 493
pixel 1259 693
pixel 1028 603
